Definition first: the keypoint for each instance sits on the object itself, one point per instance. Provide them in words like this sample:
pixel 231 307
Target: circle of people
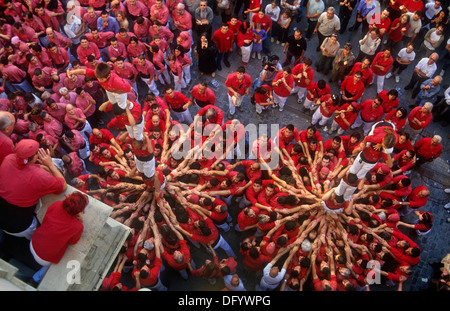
pixel 322 218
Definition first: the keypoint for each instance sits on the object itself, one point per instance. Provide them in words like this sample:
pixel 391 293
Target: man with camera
pixel 271 66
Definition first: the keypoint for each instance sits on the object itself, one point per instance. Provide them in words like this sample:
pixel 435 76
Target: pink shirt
pixel 161 15
pixel 15 74
pixel 83 103
pixel 54 128
pixel 72 122
pixel 83 53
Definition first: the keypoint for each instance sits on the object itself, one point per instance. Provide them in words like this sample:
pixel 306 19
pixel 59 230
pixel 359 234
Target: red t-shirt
pixel 114 83
pixel 223 41
pixel 57 231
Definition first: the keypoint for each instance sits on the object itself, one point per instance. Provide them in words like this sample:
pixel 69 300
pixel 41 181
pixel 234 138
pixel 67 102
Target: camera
pixel 270 62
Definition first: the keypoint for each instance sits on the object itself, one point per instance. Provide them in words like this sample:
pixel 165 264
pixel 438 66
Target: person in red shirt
pixel 418 119
pixel 371 112
pixel 390 100
pixel 374 148
pixel 404 162
pixel 352 88
pixel 366 71
pixel 380 21
pixel 263 98
pixel 381 65
pixel 314 92
pixel 428 149
pixel 282 84
pixel 62 226
pixel 116 88
pixel 303 75
pixel 87 48
pixel 202 95
pixel 344 117
pixel 238 84
pixel 327 105
pixel 179 104
pixel 223 39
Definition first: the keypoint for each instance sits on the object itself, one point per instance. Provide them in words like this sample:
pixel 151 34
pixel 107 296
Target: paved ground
pixel 435 175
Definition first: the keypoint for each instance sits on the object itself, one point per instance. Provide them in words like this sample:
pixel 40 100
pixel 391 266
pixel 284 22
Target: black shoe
pixel 227 63
pixel 412 106
pixel 407 87
pixel 351 28
pixel 219 67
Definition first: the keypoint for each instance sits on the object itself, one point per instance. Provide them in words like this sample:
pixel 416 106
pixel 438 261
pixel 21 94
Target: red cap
pixel 26 148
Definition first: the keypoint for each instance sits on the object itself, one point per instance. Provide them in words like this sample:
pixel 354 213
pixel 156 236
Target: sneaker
pixel 272 39
pixel 325 129
pixel 299 101
pixel 447 206
pixel 227 63
pixel 447 190
pixel 330 131
pixel 388 75
pixel 240 108
pixel 280 109
pixel 230 116
pixel 282 44
pixel 442 72
pixel 253 55
pixel 259 55
pixel 278 41
pixel 397 78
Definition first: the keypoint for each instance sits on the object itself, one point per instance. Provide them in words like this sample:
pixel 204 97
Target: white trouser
pixel 309 104
pixel 380 82
pixel 27 233
pixel 360 167
pixel 345 190
pixel 165 75
pixel 280 101
pixel 187 74
pixel 367 126
pixel 116 98
pixel 87 129
pixel 246 51
pixel 147 168
pixel 335 126
pixel 136 131
pixel 301 91
pixel 182 117
pixel 231 107
pixel 84 153
pixel 152 86
pixel 319 117
pixel 177 85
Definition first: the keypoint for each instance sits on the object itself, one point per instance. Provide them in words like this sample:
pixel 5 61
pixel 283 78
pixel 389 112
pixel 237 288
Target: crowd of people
pixel 313 214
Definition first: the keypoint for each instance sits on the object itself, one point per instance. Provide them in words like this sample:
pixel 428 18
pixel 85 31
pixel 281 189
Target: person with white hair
pixel 7 122
pixel 428 149
pixel 429 90
pixel 273 276
pixel 418 119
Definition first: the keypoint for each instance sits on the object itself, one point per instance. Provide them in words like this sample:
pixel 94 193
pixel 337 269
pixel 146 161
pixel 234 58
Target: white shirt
pixel 274 13
pixel 269 282
pixel 403 55
pixel 433 37
pixel 239 288
pixel 370 46
pixel 414 26
pixel 447 96
pixel 430 10
pixel 423 66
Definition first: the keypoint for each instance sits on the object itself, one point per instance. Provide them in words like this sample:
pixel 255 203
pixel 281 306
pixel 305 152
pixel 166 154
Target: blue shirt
pixel 113 25
pixel 364 9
